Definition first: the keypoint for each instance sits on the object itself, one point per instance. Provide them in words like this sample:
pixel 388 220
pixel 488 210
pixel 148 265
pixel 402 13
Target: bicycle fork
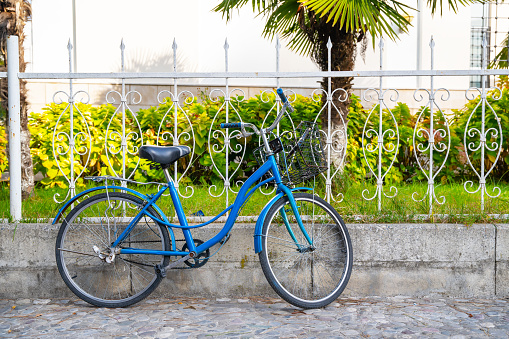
pixel 298 218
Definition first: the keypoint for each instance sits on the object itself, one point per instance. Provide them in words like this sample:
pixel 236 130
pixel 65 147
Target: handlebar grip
pixel 282 95
pixel 232 125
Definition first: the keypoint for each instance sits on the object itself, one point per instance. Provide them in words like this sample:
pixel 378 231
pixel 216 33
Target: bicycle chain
pixel 142 264
pixel 173 268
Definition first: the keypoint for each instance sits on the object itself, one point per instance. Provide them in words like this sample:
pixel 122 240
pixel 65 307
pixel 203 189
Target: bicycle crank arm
pixel 161 271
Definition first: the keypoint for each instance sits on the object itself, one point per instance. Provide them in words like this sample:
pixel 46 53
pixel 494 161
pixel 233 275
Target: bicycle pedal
pixel 161 270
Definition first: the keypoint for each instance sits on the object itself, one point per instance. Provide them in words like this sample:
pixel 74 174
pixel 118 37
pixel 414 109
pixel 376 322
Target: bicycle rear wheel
pixel 86 235
pixel 311 276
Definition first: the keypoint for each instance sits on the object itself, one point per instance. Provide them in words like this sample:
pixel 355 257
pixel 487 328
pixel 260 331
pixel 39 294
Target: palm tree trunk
pixel 343 54
pixel 342 58
pixel 13 15
pixel 27 167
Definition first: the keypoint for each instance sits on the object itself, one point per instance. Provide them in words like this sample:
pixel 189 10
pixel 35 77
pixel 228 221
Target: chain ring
pixel 200 259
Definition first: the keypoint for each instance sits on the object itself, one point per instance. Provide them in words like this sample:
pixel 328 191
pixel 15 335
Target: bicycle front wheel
pixel 85 238
pixel 307 275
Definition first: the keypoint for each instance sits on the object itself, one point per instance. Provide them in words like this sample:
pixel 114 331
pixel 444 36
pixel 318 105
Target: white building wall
pixel 451 33
pixel 149 27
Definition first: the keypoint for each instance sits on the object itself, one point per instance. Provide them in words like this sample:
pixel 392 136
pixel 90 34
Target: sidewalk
pixel 257 317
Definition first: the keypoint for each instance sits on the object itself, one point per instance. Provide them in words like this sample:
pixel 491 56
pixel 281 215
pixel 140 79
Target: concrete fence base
pixel 394 259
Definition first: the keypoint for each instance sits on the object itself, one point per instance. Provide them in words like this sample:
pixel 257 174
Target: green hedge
pixel 456 167
pixel 500 104
pixel 3 146
pixel 203 114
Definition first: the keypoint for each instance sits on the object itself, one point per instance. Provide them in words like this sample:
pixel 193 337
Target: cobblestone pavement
pixel 257 317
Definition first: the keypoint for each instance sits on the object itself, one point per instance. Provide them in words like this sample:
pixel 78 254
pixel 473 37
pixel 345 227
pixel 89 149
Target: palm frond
pixel 502 58
pixel 227 7
pixel 284 22
pixel 377 17
pixel 435 5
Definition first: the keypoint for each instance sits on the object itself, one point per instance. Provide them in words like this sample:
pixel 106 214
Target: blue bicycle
pixel 114 248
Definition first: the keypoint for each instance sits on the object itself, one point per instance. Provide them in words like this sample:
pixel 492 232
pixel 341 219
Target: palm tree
pixel 13 15
pixel 501 59
pixel 308 24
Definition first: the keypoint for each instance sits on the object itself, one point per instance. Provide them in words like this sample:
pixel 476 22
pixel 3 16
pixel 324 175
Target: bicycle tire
pixel 97 221
pixel 311 278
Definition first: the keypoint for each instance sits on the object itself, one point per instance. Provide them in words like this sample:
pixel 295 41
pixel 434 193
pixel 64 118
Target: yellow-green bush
pixel 201 115
pixel 3 151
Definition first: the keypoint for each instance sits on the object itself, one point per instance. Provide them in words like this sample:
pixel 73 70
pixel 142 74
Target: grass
pixel 459 206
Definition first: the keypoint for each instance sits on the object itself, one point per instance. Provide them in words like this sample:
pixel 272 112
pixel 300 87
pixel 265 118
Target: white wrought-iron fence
pixel 383 141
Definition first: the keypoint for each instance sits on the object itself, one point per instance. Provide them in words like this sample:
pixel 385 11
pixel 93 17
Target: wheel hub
pixel 108 254
pixel 307 249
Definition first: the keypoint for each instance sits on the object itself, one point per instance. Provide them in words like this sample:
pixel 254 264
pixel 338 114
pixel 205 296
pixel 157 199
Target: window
pixel 490 20
pixel 479 30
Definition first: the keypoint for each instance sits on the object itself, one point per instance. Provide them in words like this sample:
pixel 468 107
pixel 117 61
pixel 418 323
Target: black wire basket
pixel 299 157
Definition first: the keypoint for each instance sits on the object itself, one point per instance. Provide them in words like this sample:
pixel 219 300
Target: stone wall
pixel 389 260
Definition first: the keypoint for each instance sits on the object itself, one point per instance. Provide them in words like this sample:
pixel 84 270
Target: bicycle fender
pixel 76 197
pixel 263 214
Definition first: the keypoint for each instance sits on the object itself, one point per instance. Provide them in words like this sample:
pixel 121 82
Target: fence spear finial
pixel 226 46
pixel 174 47
pixel 329 49
pixel 329 44
pixel 432 47
pixel 278 47
pixel 69 49
pixel 122 49
pixel 484 46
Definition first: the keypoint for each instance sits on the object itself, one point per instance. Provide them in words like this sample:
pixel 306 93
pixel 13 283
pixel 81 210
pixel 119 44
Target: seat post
pixel 167 174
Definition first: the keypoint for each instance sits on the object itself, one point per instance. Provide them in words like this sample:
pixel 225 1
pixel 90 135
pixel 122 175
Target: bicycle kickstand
pixel 161 271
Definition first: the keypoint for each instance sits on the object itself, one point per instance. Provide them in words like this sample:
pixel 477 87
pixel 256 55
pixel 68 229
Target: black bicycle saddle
pixel 163 155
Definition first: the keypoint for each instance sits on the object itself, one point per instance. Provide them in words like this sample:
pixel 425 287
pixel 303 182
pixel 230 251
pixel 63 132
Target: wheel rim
pixel 316 274
pixel 129 276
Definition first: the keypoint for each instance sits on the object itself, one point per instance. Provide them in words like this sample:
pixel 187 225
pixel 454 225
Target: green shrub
pixel 404 165
pixel 461 116
pixel 3 146
pixel 201 116
pixel 206 113
pixel 42 128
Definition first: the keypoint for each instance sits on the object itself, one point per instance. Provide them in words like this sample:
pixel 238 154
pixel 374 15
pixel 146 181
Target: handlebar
pixel 282 95
pixel 286 105
pixel 232 125
pixel 243 125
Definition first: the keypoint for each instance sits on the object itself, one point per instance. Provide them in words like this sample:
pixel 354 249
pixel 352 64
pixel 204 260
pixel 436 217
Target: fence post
pixel 14 126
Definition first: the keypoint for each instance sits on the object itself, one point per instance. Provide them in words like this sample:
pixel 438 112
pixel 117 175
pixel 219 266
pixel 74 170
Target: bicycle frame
pixel 242 197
